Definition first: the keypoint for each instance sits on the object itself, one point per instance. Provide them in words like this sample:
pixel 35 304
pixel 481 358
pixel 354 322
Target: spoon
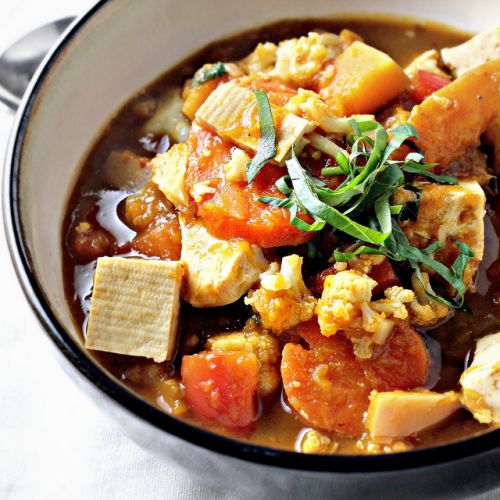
pixel 19 61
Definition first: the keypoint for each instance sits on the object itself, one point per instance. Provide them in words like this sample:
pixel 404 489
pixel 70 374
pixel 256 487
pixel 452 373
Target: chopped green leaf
pixel 210 73
pixel 362 250
pixel 266 149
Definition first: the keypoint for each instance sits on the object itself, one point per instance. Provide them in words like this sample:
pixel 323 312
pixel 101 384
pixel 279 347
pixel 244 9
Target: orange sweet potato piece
pixel 452 119
pixel 329 388
pixel 364 79
pixel 326 386
pixel 233 211
pixel 221 386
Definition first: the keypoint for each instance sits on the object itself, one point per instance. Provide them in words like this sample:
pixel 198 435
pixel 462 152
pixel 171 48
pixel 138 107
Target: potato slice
pixel 397 414
pixel 135 307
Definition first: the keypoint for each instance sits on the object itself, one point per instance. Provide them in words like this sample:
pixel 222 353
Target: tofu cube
pixel 481 381
pixel 218 272
pixel 478 50
pixel 135 307
pixel 447 214
pixel 398 414
pixel 231 112
pixel 169 171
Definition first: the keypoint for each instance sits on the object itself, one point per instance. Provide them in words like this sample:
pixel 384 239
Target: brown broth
pixel 277 427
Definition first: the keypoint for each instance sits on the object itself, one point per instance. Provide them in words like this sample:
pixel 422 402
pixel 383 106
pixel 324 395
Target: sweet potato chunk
pixel 452 119
pixel 364 80
pixel 221 386
pixel 329 388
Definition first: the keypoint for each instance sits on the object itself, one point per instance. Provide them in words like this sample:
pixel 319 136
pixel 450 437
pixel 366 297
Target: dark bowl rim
pixel 197 436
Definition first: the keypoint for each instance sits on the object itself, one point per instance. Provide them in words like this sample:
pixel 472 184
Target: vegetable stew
pixel 291 238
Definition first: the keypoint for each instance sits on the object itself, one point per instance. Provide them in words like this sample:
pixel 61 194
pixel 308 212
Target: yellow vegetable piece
pixel 452 119
pixel 398 414
pixel 135 307
pixel 364 80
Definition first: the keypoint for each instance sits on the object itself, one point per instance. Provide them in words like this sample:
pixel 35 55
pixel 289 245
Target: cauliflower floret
pixel 261 59
pixel 310 106
pixel 346 305
pixel 262 344
pixel 282 300
pixel 425 311
pixel 299 59
pixel 340 303
pixel 235 168
pixel 315 442
pixel 481 381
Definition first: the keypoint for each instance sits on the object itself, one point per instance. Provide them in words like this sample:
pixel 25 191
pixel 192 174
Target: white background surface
pixel 54 444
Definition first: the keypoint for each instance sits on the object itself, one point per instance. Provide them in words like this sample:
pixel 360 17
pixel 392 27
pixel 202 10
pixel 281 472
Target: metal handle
pixel 9 99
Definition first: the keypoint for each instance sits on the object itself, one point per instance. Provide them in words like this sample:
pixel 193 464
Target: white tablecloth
pixel 54 444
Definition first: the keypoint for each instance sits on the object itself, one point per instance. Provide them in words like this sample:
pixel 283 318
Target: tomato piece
pixel 329 387
pixel 222 386
pixel 384 275
pixel 316 283
pixel 326 386
pixel 401 363
pixel 426 83
pixel 278 92
pixel 233 210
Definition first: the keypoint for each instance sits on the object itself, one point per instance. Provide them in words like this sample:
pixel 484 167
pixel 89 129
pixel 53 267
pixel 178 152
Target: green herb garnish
pixel 361 208
pixel 266 149
pixel 210 73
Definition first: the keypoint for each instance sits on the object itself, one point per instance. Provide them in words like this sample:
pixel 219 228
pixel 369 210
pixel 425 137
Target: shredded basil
pixel 266 149
pixel 212 72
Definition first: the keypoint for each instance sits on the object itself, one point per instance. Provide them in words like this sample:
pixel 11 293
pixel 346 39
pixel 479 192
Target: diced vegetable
pixel 452 119
pixel 329 388
pixel 399 414
pixel 135 307
pixel 326 386
pixel 234 211
pixel 384 275
pixel 156 223
pixel 426 83
pixel 221 386
pixel 264 345
pixel 364 80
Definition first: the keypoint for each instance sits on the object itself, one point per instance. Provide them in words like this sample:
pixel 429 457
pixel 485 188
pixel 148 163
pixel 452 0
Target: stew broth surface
pixel 278 427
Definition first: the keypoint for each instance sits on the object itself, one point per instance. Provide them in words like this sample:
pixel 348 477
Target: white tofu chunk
pixel 481 381
pixel 227 111
pixel 135 307
pixel 169 171
pixel 447 214
pixel 426 61
pixel 478 50
pixel 168 118
pixel 218 272
pixel 398 414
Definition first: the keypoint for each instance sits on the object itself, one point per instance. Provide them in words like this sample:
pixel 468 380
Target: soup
pixel 282 238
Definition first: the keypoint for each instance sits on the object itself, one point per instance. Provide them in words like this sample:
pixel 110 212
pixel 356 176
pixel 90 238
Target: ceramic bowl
pixel 108 54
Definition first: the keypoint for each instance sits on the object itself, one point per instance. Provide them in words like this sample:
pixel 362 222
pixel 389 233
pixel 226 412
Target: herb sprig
pixel 266 149
pixel 360 206
pixel 211 72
